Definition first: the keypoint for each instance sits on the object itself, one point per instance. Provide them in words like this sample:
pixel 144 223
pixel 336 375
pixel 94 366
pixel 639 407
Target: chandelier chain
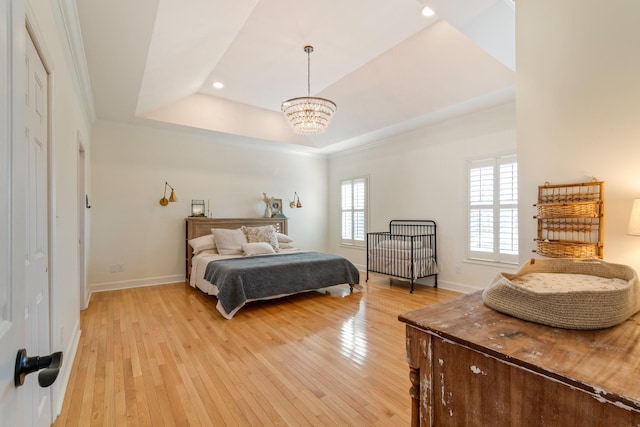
pixel 308 115
pixel 308 49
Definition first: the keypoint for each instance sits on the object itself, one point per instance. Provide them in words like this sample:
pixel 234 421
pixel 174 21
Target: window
pixel 354 211
pixel 493 209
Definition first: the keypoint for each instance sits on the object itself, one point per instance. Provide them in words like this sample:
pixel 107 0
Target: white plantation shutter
pixel 354 211
pixel 508 228
pixel 493 209
pixel 481 206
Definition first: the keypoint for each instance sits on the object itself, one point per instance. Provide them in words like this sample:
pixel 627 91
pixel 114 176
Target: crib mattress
pixel 567 293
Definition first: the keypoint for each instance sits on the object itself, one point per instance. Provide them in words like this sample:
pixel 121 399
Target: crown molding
pixel 71 23
pixel 390 135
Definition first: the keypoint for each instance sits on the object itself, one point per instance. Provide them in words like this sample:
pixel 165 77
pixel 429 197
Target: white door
pixel 37 229
pixel 12 209
pixel 24 279
pixel 83 203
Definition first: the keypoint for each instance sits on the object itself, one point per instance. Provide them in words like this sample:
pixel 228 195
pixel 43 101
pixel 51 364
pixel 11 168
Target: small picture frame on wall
pixel 276 207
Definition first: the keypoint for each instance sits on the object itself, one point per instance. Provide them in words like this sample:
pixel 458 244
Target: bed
pixel 264 266
pixel 406 251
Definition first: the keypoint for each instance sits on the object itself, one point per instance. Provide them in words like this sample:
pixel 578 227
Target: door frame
pixel 32 30
pixel 83 204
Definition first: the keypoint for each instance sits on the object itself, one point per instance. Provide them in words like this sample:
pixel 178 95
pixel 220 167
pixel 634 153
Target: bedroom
pixel 574 117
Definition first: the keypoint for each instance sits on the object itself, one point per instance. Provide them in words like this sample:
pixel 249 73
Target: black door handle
pixel 50 366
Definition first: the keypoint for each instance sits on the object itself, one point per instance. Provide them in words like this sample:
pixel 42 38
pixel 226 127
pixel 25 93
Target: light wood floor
pixel 164 356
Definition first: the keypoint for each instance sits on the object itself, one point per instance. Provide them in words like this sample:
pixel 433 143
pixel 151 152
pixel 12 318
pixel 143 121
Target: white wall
pixel 577 108
pixel 578 105
pixel 68 120
pixel 421 175
pixel 130 166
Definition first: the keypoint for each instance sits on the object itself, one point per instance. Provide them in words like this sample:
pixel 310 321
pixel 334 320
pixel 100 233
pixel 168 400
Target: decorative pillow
pixel 400 244
pixel 200 244
pixel 262 234
pixel 229 242
pixel 257 248
pixel 283 238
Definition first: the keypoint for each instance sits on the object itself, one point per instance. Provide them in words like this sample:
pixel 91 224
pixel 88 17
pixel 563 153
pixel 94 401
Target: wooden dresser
pixel 473 366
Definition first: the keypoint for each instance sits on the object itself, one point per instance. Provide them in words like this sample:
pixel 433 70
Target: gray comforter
pixel 262 277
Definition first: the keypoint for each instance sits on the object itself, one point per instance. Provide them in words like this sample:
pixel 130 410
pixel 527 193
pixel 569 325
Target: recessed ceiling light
pixel 217 85
pixel 427 11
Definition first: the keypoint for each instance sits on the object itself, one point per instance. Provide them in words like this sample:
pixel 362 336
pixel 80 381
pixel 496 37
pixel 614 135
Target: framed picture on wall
pixel 276 207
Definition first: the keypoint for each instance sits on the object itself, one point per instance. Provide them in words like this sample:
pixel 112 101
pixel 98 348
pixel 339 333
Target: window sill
pixel 500 264
pixel 346 245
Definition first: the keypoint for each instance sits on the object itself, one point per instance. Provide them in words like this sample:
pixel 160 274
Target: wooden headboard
pixel 201 226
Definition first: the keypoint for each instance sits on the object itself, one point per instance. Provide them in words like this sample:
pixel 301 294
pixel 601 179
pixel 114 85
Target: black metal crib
pixel 407 251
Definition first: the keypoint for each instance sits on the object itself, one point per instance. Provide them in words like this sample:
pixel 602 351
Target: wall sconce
pixel 296 201
pixel 634 220
pixel 197 208
pixel 172 198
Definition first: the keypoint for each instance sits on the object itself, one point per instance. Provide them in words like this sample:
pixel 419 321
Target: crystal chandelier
pixel 308 115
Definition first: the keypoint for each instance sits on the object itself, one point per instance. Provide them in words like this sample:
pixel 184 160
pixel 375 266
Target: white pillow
pixel 257 248
pixel 266 233
pixel 400 244
pixel 229 242
pixel 284 245
pixel 200 244
pixel 283 238
pixel 209 252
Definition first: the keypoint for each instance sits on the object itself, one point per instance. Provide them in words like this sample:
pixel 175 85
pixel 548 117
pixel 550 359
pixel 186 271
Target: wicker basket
pixel 567 304
pixel 568 210
pixel 556 249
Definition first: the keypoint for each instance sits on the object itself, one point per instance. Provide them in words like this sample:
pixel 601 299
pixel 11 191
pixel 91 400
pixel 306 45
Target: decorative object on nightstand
pixel 296 201
pixel 172 198
pixel 276 207
pixel 197 207
pixel 267 201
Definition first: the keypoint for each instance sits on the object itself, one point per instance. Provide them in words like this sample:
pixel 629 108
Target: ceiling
pixel 388 68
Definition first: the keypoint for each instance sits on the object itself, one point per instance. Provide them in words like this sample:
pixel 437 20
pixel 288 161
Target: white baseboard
pixel 87 299
pixel 136 283
pixel 428 281
pixel 152 281
pixel 457 287
pixel 69 356
pixel 442 284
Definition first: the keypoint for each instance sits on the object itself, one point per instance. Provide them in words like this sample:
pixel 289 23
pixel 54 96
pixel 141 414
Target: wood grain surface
pixel 163 356
pixel 479 366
